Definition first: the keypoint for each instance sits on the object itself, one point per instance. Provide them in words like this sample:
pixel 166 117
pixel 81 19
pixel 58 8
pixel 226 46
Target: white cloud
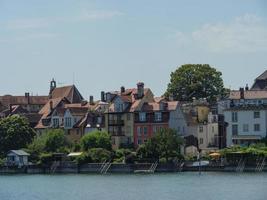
pixel 244 34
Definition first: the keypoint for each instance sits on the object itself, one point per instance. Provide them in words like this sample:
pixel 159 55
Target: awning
pixel 215 154
pixel 75 154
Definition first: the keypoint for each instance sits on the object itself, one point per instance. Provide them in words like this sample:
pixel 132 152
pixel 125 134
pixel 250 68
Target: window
pixel 234 129
pixel 128 116
pixel 201 129
pixel 67 122
pixel 99 120
pixel 245 127
pixel 142 116
pixel 234 117
pixel 213 129
pixel 139 141
pixel 257 127
pixel 55 122
pixel 200 140
pixel 139 131
pixel 256 115
pixel 145 141
pixel 158 116
pixel 145 130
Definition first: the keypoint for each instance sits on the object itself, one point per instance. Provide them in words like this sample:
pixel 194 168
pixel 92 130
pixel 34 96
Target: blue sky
pixel 104 44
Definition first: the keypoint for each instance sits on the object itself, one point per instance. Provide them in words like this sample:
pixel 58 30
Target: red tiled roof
pixel 69 92
pixel 22 100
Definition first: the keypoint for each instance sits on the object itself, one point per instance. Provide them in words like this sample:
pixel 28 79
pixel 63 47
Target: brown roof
pixel 263 76
pixel 69 92
pixel 250 94
pixel 22 100
pixel 155 106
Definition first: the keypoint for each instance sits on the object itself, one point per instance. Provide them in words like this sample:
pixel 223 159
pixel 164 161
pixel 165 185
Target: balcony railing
pixel 116 122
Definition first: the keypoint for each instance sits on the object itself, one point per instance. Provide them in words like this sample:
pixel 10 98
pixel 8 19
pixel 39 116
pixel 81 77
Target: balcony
pixel 116 122
pixel 117 133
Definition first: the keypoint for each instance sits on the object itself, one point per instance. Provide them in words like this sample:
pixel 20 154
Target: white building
pixel 246 115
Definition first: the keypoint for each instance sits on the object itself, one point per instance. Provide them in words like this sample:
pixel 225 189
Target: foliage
pixel 124 156
pixel 46 158
pixel 15 133
pixel 1 162
pixel 96 139
pixel 94 155
pixel 165 144
pixel 196 80
pixel 54 140
pixel 259 149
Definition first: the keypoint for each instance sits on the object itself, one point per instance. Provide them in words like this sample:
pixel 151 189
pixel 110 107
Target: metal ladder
pixel 105 167
pixel 260 165
pixel 54 166
pixel 153 167
pixel 241 165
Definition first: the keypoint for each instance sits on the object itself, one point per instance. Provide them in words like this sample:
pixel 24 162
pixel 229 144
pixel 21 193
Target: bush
pixel 99 155
pixel 83 159
pixel 96 139
pixel 46 158
pixel 2 162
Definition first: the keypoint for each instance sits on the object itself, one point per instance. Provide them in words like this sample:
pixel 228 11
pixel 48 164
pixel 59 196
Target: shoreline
pixel 142 168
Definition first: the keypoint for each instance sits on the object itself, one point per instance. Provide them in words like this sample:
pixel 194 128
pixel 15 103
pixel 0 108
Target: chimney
pixel 247 88
pixel 140 90
pixel 103 96
pixel 242 93
pixel 51 105
pixel 122 89
pixel 91 99
pixel 27 96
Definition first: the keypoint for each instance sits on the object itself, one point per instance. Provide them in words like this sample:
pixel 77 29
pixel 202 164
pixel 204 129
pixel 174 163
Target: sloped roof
pixel 263 76
pixel 250 94
pixel 19 152
pixel 22 100
pixel 69 92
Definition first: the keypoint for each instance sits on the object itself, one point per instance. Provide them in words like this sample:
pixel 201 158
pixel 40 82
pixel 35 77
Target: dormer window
pixel 55 122
pixel 68 122
pixel 142 116
pixel 158 116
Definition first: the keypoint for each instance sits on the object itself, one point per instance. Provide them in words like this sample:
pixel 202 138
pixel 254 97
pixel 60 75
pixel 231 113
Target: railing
pixel 241 165
pixel 116 122
pixel 105 167
pixel 260 165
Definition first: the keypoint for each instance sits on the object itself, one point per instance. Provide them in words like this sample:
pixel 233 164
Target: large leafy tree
pixel 15 133
pixel 196 80
pixel 96 139
pixel 165 144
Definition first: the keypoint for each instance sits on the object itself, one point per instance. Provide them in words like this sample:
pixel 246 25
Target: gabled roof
pixel 263 76
pixel 69 92
pixel 19 152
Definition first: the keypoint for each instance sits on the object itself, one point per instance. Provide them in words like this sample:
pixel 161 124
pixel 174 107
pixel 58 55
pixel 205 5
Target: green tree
pixel 96 139
pixel 165 144
pixel 196 80
pixel 55 140
pixel 15 133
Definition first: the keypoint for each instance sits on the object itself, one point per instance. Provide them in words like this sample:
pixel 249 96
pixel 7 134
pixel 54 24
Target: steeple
pixel 53 85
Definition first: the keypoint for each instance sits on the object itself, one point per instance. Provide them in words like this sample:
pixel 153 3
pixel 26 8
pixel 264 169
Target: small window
pixel 256 115
pixel 234 117
pixel 139 130
pixel 128 116
pixel 213 129
pixel 145 130
pixel 139 141
pixel 257 127
pixel 200 140
pixel 234 129
pixel 158 116
pixel 142 116
pixel 201 129
pixel 245 128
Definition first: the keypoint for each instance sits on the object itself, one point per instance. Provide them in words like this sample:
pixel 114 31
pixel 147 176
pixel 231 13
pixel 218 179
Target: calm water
pixel 188 186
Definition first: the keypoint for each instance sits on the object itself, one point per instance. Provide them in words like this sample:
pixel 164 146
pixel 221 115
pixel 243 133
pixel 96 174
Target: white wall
pixel 246 117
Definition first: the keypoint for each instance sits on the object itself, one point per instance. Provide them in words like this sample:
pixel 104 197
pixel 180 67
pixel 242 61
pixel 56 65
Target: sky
pixel 101 45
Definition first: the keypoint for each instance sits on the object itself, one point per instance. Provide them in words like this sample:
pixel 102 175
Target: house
pixel 17 158
pixel 200 125
pixel 154 116
pixel 260 82
pixel 121 112
pixel 246 115
pixel 27 106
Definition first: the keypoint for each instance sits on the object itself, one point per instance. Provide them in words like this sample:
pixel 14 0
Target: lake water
pixel 173 186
